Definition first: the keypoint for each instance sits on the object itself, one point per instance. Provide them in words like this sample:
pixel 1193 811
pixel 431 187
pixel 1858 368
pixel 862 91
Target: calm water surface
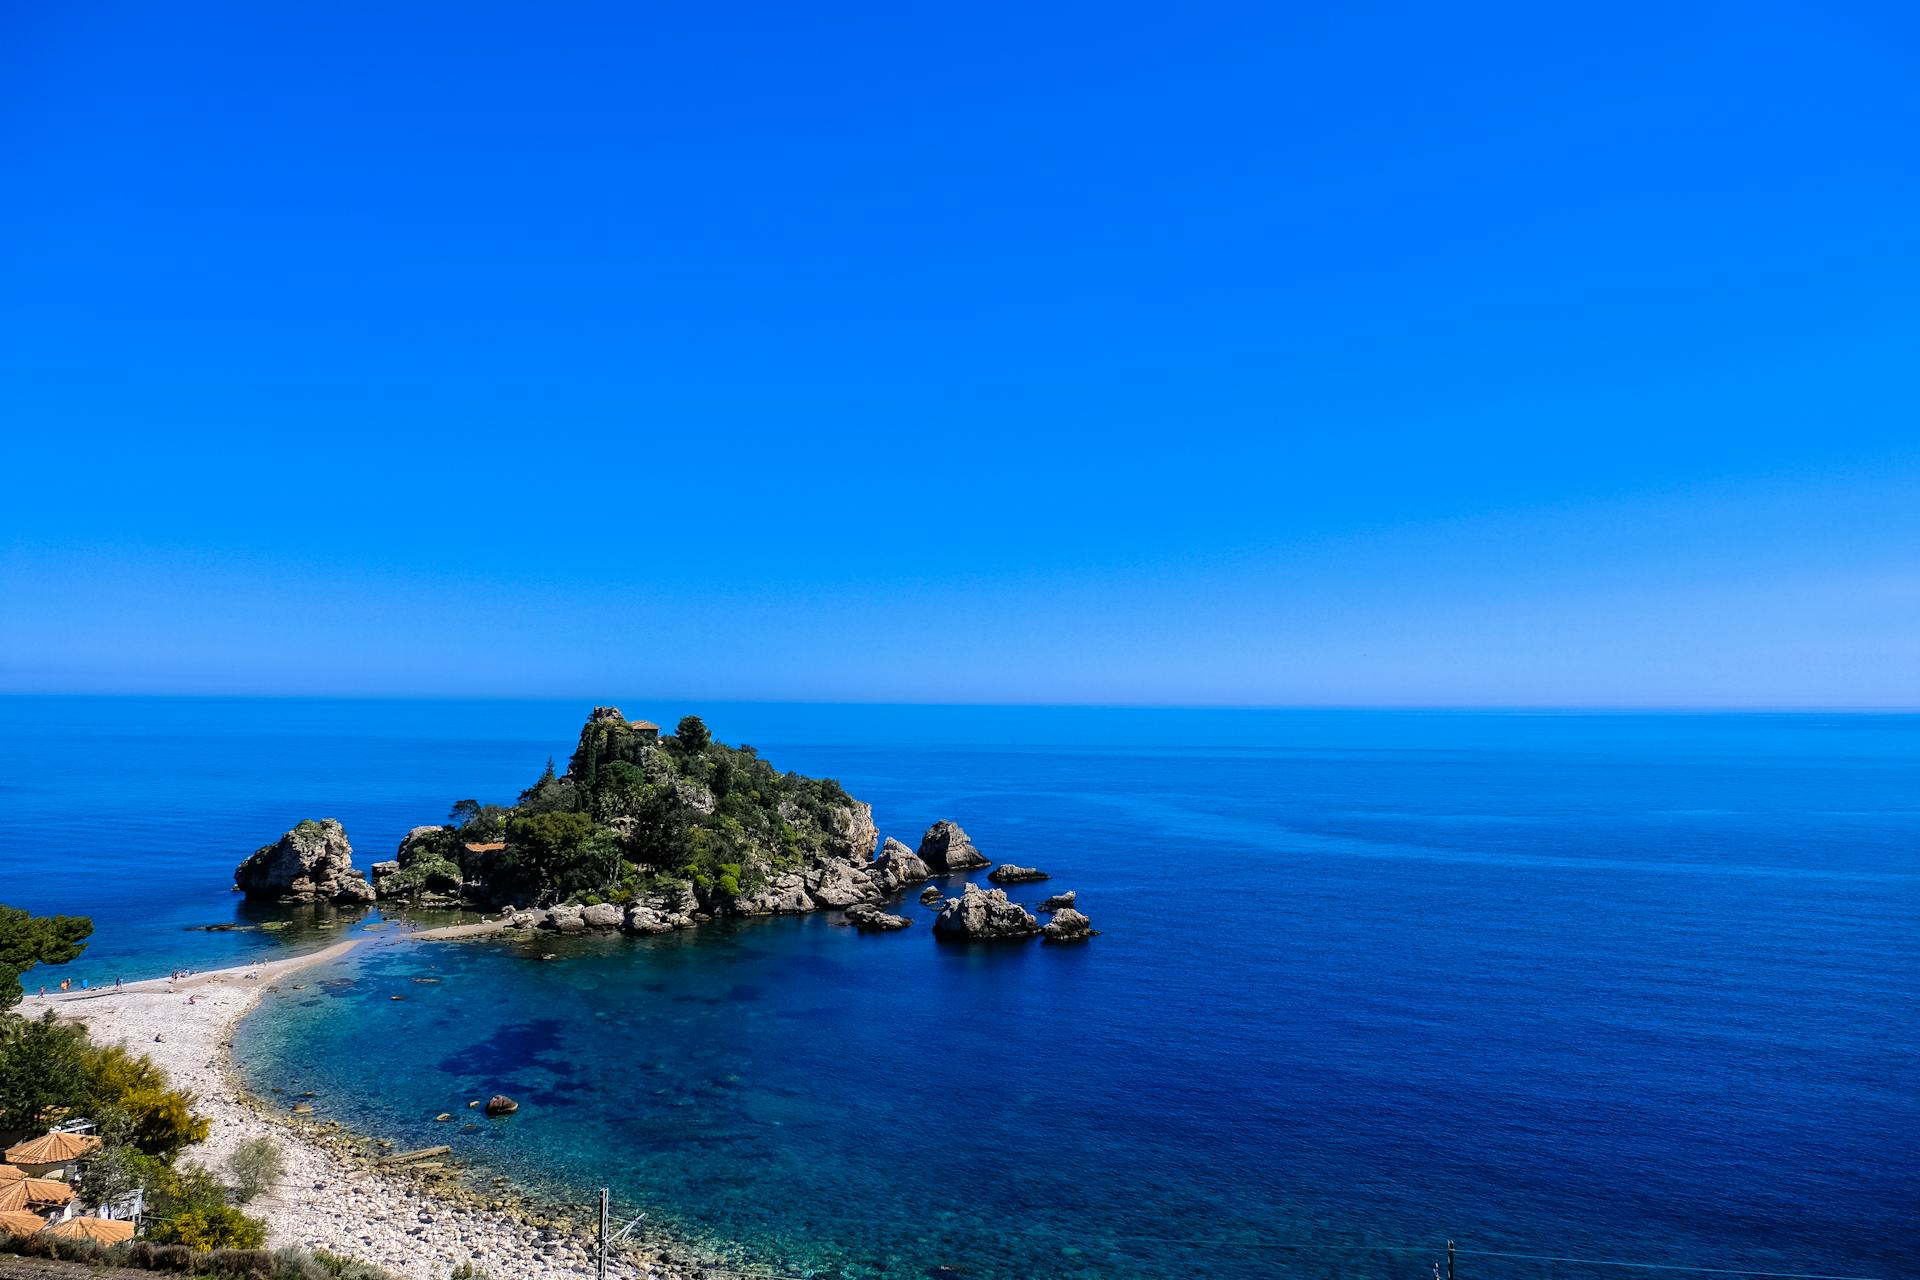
pixel 1630 987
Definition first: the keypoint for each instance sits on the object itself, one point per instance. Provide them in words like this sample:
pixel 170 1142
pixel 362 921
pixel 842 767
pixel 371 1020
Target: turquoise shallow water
pixel 1629 987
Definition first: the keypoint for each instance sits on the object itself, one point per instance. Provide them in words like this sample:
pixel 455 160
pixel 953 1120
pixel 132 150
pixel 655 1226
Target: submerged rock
pixel 311 863
pixel 896 867
pixel 870 919
pixel 1058 901
pixel 1007 873
pixel 946 847
pixel 979 915
pixel 1068 925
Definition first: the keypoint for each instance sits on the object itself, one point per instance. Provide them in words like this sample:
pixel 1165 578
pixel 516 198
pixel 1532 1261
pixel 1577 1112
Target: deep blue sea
pixel 1643 988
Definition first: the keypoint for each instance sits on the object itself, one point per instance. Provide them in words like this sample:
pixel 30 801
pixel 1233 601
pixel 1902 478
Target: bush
pixel 211 1227
pixel 256 1165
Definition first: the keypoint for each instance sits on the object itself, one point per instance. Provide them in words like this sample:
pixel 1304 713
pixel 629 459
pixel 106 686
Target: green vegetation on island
pixel 635 813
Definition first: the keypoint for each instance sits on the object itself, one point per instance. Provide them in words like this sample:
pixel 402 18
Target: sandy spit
pixel 417 1223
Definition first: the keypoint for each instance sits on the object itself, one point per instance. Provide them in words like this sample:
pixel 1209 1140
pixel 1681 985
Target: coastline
pixel 417 1221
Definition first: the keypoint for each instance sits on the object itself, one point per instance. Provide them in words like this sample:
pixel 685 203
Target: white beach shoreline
pixel 416 1223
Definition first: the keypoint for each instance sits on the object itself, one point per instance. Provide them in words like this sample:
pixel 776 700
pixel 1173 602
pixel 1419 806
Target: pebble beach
pixel 419 1222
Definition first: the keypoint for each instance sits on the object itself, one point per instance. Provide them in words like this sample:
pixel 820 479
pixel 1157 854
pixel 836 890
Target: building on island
pixel 646 729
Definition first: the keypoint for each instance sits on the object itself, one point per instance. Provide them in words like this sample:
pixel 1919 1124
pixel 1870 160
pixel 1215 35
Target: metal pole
pixel 1449 1262
pixel 603 1234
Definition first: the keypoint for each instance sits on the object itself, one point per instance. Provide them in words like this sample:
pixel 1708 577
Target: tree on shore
pixel 27 940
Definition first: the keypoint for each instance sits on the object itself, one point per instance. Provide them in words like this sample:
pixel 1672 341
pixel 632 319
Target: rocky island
pixel 649 833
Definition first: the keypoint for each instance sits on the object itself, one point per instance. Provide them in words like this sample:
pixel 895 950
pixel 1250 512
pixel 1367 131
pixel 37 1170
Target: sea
pixel 1591 995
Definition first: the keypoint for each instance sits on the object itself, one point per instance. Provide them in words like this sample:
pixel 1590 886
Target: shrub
pixel 256 1165
pixel 211 1227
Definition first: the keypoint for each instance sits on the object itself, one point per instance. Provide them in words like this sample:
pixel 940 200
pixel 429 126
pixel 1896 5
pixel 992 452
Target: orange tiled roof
pixel 18 1222
pixel 23 1192
pixel 53 1148
pixel 98 1230
pixel 643 724
pixel 494 846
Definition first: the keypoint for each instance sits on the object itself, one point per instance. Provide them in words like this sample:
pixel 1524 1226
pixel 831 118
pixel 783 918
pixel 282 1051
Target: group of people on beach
pixel 66 984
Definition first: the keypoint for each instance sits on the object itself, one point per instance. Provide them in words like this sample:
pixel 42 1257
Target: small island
pixel 648 833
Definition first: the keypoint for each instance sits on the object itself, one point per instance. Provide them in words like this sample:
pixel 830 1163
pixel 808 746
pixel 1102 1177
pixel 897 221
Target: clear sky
pixel 1360 353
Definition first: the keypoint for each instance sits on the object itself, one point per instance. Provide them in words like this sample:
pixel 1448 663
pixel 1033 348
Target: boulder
pixel 1067 925
pixel 784 895
pixel 835 884
pixel 979 915
pixel 603 915
pixel 870 919
pixel 931 894
pixel 896 867
pixel 1007 873
pixel 563 919
pixel 381 871
pixel 1058 901
pixel 501 1105
pixel 311 863
pixel 946 847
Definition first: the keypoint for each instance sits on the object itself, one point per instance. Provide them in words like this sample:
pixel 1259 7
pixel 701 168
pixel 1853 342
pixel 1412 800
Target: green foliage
pixel 692 734
pixel 255 1166
pixel 27 940
pixel 43 1071
pixel 211 1227
pixel 160 1121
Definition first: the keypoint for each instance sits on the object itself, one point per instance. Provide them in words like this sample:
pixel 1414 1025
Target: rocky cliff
pixel 311 863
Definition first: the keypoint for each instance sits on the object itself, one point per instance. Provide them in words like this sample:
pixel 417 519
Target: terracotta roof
pixel 99 1230
pixel 494 846
pixel 23 1192
pixel 11 1173
pixel 643 724
pixel 53 1148
pixel 18 1222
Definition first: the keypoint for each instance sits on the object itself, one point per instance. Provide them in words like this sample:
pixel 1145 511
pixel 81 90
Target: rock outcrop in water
pixel 897 866
pixel 984 915
pixel 947 848
pixel 1058 901
pixel 1067 925
pixel 870 919
pixel 311 863
pixel 1007 873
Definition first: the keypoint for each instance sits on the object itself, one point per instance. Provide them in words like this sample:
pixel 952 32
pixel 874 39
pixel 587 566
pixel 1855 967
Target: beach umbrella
pixel 98 1230
pixel 53 1148
pixel 24 1193
pixel 18 1222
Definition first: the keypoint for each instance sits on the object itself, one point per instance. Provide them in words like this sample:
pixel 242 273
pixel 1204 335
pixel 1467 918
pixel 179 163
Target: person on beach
pixel 118 985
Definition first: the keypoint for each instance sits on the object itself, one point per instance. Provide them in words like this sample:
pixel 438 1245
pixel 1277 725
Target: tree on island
pixel 27 940
pixel 692 734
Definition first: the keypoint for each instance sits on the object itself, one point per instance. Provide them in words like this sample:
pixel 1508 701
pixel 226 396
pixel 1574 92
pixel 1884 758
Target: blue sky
pixel 1060 352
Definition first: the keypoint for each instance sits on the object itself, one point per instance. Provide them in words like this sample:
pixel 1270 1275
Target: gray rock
pixel 311 863
pixel 784 895
pixel 983 916
pixel 835 884
pixel 897 866
pixel 931 894
pixel 946 847
pixel 603 915
pixel 1068 925
pixel 870 919
pixel 1057 901
pixel 1007 873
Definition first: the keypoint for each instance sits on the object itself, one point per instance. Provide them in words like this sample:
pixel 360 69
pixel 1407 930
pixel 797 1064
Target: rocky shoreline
pixel 418 1221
